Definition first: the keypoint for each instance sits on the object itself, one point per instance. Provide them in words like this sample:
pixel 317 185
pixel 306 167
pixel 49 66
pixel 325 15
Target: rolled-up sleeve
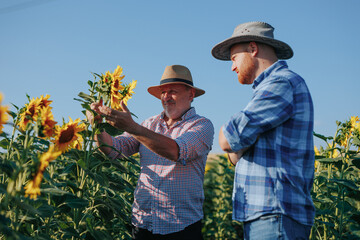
pixel 272 104
pixel 196 141
pixel 125 145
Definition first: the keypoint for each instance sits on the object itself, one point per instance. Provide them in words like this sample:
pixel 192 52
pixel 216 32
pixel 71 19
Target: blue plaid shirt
pixel 276 174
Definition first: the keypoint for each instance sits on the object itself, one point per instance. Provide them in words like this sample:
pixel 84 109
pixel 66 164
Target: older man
pixel 271 140
pixel 173 149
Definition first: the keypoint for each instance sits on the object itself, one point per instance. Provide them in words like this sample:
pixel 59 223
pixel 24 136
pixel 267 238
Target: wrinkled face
pixel 176 99
pixel 242 63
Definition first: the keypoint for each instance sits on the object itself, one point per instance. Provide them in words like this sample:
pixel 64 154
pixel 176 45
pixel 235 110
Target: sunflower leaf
pixel 90 83
pixel 356 141
pixel 113 131
pixel 322 137
pixel 13 115
pixel 86 97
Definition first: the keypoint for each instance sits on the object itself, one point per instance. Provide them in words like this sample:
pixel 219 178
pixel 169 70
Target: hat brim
pixel 156 91
pixel 221 50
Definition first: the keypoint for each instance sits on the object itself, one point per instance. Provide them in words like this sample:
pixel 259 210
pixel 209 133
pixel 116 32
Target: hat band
pixel 168 80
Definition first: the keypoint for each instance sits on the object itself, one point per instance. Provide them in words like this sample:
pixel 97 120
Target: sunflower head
pixel 107 78
pixel 67 135
pixel 44 101
pixel 3 114
pixel 129 91
pixel 47 157
pixel 47 123
pixel 115 100
pixel 32 189
pixel 30 113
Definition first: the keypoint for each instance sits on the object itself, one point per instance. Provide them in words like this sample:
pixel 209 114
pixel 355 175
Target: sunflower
pixel 107 78
pixel 32 189
pixel 118 73
pixel 115 100
pixel 44 101
pixel 30 113
pixel 3 114
pixel 354 123
pixel 47 122
pixel 67 135
pixel 130 87
pixel 79 143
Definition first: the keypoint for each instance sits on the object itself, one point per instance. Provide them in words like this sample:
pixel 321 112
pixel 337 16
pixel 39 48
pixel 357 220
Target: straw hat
pixel 175 74
pixel 252 32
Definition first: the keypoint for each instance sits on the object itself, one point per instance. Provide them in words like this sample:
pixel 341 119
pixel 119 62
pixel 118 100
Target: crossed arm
pixel 234 157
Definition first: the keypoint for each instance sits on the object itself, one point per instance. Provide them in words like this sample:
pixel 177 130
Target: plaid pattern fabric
pixel 169 195
pixel 276 174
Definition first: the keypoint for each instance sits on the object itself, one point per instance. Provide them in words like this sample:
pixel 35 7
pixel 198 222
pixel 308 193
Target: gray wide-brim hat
pixel 252 32
pixel 175 74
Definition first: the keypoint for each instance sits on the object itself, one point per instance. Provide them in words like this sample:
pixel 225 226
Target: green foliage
pixel 218 182
pixel 84 194
pixel 336 189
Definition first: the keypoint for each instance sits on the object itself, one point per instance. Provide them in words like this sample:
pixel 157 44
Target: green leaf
pixel 113 131
pixel 46 210
pixel 80 100
pixel 356 141
pixel 346 183
pixel 86 97
pixel 322 136
pixel 329 160
pixel 12 114
pixel 90 83
pixel 54 191
pixel 4 143
pixel 95 74
pixel 99 178
pixel 71 232
pixel 75 202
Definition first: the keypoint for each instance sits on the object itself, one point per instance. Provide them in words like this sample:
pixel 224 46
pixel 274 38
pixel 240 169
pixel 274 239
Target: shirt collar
pixel 267 72
pixel 188 114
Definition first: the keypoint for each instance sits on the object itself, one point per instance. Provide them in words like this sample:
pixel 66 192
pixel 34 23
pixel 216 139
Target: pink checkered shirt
pixel 169 195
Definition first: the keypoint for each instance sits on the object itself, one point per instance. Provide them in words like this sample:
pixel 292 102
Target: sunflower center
pixel 32 110
pixel 66 136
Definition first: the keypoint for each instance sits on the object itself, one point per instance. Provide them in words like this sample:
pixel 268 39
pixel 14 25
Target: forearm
pixel 156 142
pixel 102 140
pixel 225 146
pixel 234 157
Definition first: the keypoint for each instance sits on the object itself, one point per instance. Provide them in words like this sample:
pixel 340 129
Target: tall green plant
pixel 83 194
pixel 218 182
pixel 336 190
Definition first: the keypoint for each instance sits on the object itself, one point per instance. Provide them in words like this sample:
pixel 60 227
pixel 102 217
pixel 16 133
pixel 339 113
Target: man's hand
pixel 234 157
pixel 90 116
pixel 119 119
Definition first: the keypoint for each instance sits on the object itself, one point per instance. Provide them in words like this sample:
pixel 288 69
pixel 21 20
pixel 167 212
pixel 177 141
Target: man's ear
pixel 253 48
pixel 192 91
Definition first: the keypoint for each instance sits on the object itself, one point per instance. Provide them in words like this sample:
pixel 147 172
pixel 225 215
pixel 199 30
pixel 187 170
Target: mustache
pixel 168 102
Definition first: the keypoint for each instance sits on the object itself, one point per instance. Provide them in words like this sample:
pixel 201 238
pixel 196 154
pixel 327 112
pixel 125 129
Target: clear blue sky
pixel 51 47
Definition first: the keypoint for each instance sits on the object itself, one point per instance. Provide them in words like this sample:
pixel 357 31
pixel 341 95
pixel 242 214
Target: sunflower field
pixel 56 184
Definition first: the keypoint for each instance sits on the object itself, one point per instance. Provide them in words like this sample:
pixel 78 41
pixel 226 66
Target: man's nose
pixel 166 96
pixel 233 67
